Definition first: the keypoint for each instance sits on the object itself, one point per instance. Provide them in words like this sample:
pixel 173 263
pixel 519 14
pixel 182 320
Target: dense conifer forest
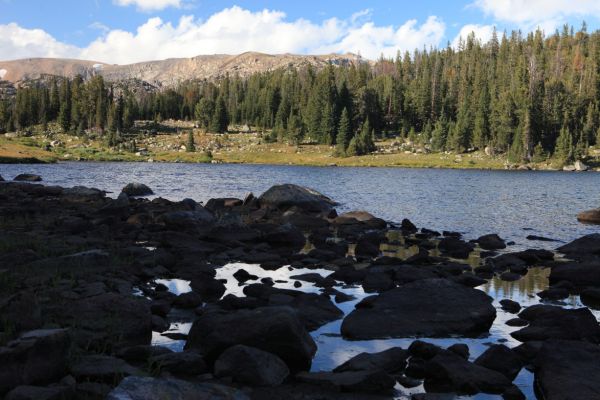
pixel 529 97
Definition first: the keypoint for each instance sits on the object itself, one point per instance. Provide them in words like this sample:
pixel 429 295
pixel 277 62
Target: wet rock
pixel 198 219
pixel 351 381
pixel 551 322
pixel 407 226
pixel 460 349
pixel 160 307
pixel 510 276
pixel 187 300
pixel 251 366
pixel 277 330
pixel 315 278
pixel 568 370
pixel 27 178
pixel 510 306
pixel 36 357
pixel 500 358
pixel 101 368
pixel 286 196
pixel 491 242
pixel 519 322
pixel 579 274
pixel 455 248
pixel 363 217
pixel 241 275
pixel 159 324
pixel 315 310
pixel 377 282
pixel 541 238
pixel 451 371
pixel 186 363
pixel 392 360
pixel 553 294
pixel 591 298
pixel 285 236
pixel 423 350
pixel 138 388
pixel 513 393
pixel 589 216
pixel 39 393
pixel 208 288
pixel 368 246
pixel 411 310
pixel 137 189
pixel 585 246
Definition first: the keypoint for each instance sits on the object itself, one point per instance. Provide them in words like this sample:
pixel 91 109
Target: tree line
pixel 527 96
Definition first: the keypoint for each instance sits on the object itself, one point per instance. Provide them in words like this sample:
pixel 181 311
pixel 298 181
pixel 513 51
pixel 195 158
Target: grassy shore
pixel 245 148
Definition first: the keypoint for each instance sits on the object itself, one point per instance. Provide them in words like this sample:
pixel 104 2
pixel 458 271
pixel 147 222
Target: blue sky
pixel 123 31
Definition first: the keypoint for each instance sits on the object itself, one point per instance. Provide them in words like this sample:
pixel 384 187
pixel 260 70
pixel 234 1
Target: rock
pixel 551 322
pixel 141 353
pixel 277 330
pixel 510 306
pixel 241 275
pixel 455 247
pixel 187 300
pixel 510 276
pixel 285 236
pixel 589 216
pixel 377 282
pixel 513 393
pixel 460 349
pixel 500 358
pixel 138 388
pixel 186 363
pixel 517 322
pixel 580 166
pixel 423 350
pixel 39 393
pixel 1 178
pixel 36 357
pixel 407 226
pixel 569 168
pixel 159 324
pixel 83 192
pixel 541 238
pixel 251 366
pixel 208 288
pixel 491 242
pixel 199 218
pixel 591 298
pixel 27 178
pixel 285 196
pixel 447 369
pixel 579 274
pixel 553 294
pixel 363 217
pixel 101 368
pixel 411 310
pixel 568 370
pixel 392 360
pixel 137 189
pixel 585 246
pixel 351 381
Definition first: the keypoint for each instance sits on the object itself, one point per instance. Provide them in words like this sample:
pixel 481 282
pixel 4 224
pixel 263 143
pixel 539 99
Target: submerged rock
pixel 412 310
pixel 27 178
pixel 277 330
pixel 391 360
pixel 137 189
pixel 138 388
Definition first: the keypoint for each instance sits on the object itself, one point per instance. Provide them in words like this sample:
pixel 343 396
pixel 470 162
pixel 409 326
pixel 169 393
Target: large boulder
pixel 360 217
pixel 277 330
pixel 585 246
pixel 351 381
pixel 36 357
pixel 500 358
pixel 579 274
pixel 286 196
pixel 101 368
pixel 552 322
pixel 589 216
pixel 138 388
pixel 137 189
pixel 429 307
pixel 568 370
pixel 391 360
pixel 491 242
pixel 198 218
pixel 449 370
pixel 251 366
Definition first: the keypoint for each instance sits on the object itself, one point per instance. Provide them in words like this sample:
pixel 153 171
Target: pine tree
pixel 344 134
pixel 564 146
pixel 190 146
pixel 219 121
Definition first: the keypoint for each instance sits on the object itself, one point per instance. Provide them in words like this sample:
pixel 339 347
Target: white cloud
pixel 149 5
pixel 17 42
pixel 547 14
pixel 235 30
pixel 482 32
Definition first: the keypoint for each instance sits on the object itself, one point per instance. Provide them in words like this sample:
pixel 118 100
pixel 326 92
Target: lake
pixel 513 204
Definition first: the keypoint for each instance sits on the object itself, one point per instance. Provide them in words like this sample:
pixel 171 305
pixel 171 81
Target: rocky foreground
pixel 74 262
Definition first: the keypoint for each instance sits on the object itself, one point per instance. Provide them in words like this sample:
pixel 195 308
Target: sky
pixel 128 31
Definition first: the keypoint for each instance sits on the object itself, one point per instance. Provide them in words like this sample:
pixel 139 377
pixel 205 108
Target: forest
pixel 530 97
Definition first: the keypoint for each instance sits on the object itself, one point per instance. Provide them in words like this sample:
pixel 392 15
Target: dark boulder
pixel 413 310
pixel 407 226
pixel 360 217
pixel 139 388
pixel 500 358
pixel 423 350
pixel 460 349
pixel 568 370
pixel 27 178
pixel 455 248
pixel 137 189
pixel 591 298
pixel 285 236
pixel 552 294
pixel 450 371
pixel 241 275
pixel 36 357
pixel 185 363
pixel 277 330
pixel 551 322
pixel 251 366
pixel 286 196
pixel 510 306
pixel 585 246
pixel 351 381
pixel 579 274
pixel 392 360
pixel 491 242
pixel 101 368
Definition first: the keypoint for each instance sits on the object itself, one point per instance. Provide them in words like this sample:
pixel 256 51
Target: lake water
pixel 510 203
pixel 513 204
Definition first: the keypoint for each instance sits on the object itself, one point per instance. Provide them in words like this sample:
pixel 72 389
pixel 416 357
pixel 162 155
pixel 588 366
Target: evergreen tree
pixel 564 146
pixel 344 134
pixel 190 146
pixel 219 121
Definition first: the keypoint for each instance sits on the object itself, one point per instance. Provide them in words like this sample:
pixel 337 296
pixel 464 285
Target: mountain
pixel 167 73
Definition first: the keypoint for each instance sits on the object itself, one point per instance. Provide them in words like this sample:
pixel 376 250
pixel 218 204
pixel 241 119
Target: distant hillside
pixel 166 73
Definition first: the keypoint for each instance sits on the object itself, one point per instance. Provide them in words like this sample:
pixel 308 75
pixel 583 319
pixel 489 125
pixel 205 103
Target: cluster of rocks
pixel 73 327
